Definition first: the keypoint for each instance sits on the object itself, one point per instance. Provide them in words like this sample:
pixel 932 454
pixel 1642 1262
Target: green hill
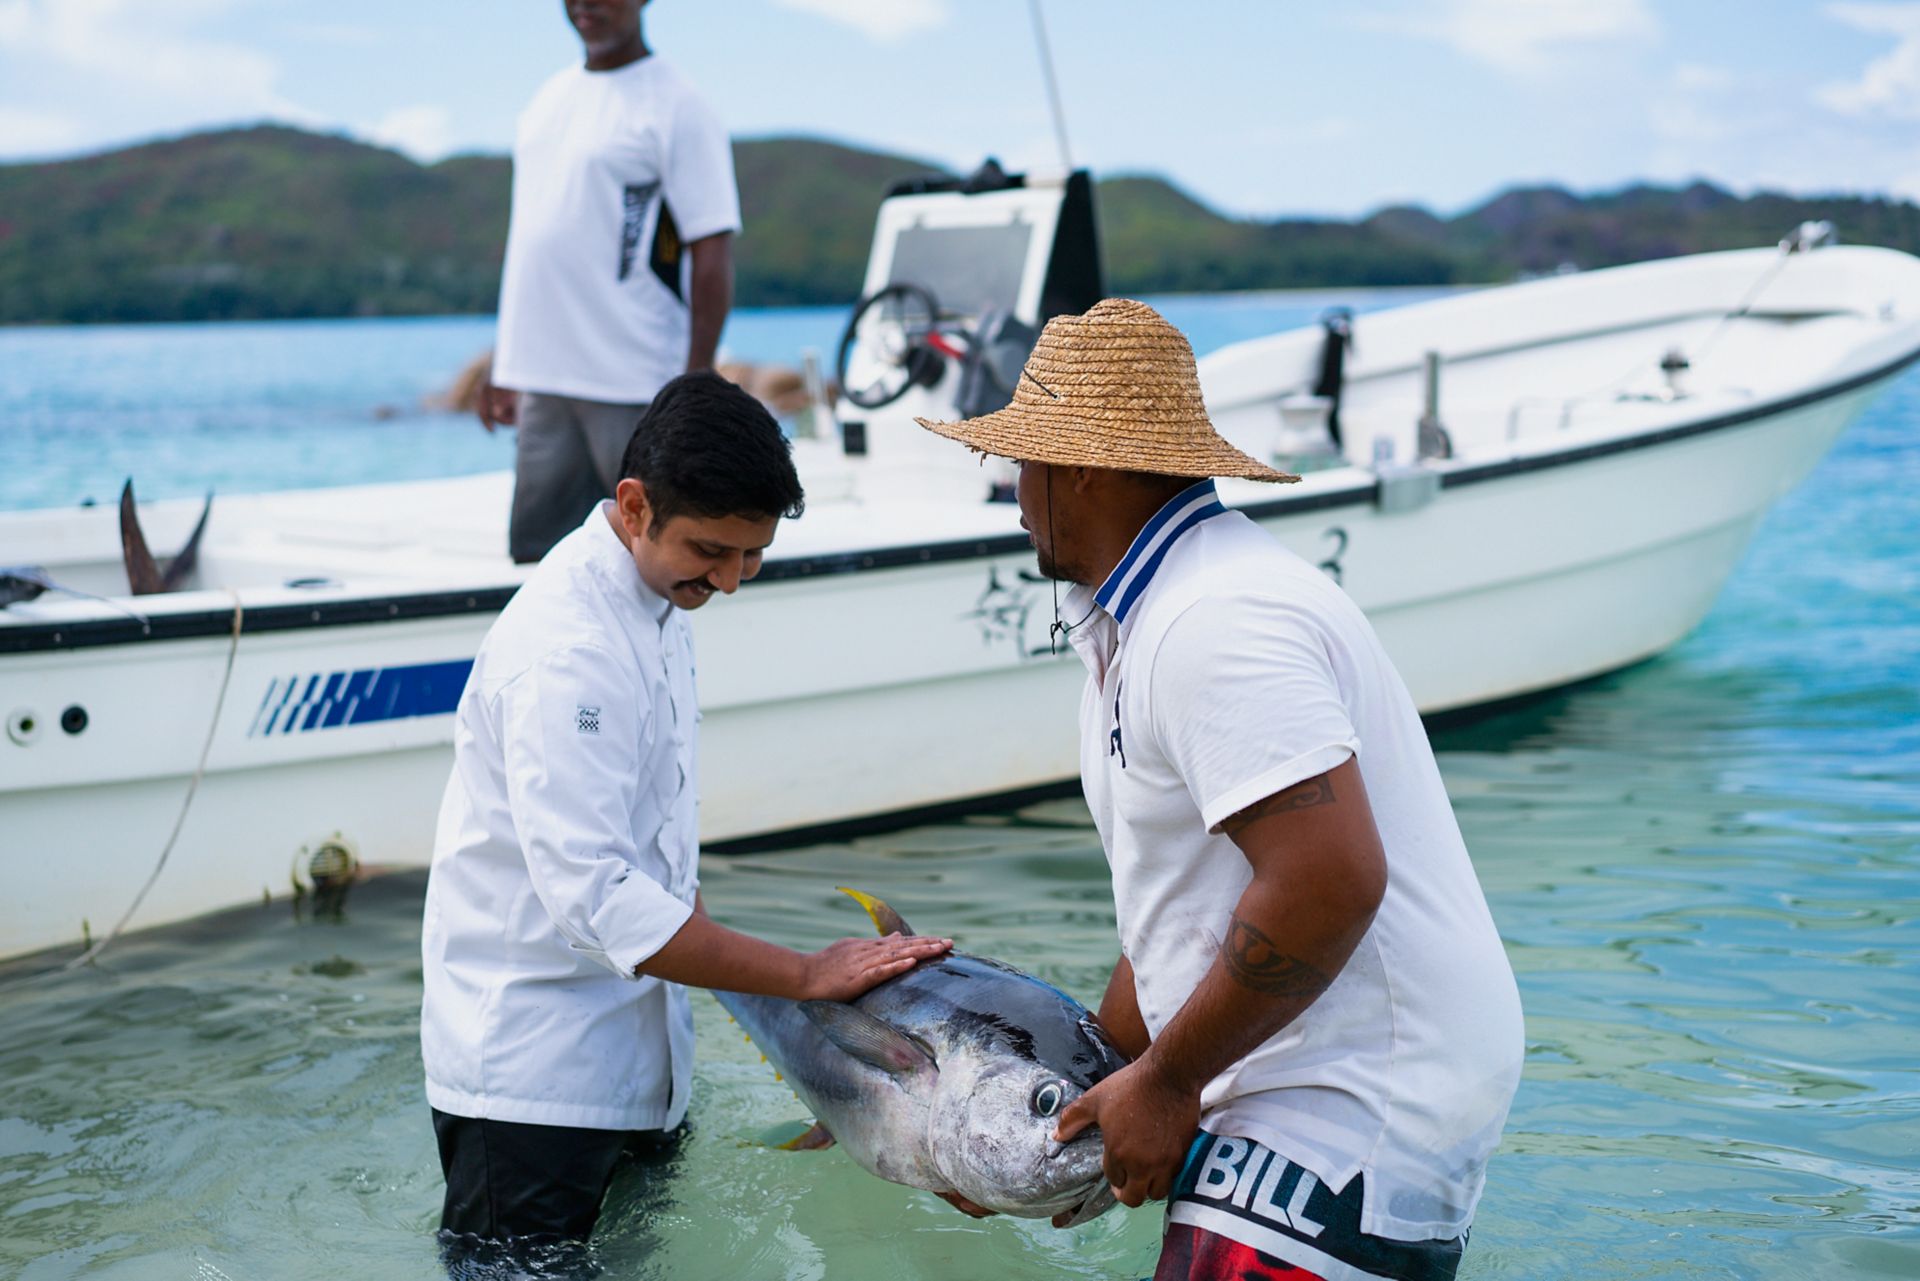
pixel 255 223
pixel 276 222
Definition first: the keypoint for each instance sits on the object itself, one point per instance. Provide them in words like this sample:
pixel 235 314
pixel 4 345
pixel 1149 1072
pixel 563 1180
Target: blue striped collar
pixel 1129 579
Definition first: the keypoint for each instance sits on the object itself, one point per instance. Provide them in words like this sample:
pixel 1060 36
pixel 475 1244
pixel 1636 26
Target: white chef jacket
pixel 1224 669
pixel 566 854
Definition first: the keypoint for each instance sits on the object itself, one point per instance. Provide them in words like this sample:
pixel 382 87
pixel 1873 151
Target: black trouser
pixel 507 1181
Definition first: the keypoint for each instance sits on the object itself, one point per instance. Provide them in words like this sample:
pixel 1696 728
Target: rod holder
pixel 818 420
pixel 1433 441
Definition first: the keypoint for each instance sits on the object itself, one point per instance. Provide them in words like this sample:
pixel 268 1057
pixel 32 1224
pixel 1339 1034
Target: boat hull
pixel 838 696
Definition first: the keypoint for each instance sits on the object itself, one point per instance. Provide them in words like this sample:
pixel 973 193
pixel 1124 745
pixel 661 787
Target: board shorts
pixel 1243 1212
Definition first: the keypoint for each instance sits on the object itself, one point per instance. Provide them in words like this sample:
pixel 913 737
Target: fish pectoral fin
pixel 813 1140
pixel 872 1041
pixel 885 919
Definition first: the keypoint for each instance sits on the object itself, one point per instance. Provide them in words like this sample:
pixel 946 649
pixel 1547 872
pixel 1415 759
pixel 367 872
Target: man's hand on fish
pixel 705 953
pixel 1146 1121
pixel 843 970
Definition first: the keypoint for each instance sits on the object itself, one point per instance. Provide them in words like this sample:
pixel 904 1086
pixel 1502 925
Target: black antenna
pixel 1053 85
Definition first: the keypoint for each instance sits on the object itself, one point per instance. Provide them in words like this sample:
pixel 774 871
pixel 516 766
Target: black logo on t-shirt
pixel 636 197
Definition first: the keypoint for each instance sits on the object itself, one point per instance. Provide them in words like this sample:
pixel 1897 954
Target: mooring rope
pixel 186 803
pixel 34 576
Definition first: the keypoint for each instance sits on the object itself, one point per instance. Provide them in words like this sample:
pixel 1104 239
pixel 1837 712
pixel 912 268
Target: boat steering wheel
pixel 891 344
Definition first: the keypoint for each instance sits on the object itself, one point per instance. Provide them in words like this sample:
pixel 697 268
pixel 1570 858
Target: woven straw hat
pixel 1114 388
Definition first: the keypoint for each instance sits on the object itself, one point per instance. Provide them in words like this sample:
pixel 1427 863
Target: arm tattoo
pixel 1256 961
pixel 1301 796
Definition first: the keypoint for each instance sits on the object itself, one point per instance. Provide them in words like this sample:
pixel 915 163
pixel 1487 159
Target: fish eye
pixel 1047 1099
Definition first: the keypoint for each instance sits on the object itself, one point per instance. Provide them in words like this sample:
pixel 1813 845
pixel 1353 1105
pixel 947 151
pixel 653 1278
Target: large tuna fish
pixel 949 1077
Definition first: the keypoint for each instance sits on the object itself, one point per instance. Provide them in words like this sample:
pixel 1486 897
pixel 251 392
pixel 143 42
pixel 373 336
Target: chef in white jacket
pixel 563 912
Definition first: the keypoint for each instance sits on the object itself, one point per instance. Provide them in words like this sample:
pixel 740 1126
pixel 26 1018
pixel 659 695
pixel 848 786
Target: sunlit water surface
pixel 1705 869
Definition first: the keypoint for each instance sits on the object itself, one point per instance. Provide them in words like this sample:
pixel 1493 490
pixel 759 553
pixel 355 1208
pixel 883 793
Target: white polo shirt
pixel 566 854
pixel 614 172
pixel 1224 669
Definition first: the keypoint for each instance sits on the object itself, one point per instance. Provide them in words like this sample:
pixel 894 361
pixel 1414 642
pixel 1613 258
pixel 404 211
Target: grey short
pixel 566 460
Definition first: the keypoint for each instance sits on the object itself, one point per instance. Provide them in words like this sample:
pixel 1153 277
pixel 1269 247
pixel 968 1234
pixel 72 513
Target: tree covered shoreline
pixel 271 222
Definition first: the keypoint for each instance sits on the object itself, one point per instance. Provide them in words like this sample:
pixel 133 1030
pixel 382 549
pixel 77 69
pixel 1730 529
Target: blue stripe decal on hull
pixel 361 697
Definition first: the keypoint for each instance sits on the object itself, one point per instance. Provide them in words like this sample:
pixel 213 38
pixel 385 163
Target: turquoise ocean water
pixel 1704 868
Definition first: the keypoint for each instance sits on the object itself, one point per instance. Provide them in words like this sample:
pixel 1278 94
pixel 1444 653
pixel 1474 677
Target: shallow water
pixel 1705 869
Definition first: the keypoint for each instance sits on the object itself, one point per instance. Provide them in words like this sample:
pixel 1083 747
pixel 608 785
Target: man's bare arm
pixel 711 297
pixel 1120 1011
pixel 704 953
pixel 1319 873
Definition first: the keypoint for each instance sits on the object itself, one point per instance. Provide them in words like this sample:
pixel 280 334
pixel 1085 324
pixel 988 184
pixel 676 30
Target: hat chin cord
pixel 1058 627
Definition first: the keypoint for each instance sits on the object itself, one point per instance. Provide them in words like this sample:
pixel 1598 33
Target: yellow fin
pixel 885 919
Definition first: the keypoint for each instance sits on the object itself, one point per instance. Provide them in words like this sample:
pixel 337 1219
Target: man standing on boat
pixel 619 268
pixel 1326 1032
pixel 563 911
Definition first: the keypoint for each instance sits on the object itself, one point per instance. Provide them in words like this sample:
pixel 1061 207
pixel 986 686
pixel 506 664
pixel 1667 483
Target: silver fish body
pixel 950 1077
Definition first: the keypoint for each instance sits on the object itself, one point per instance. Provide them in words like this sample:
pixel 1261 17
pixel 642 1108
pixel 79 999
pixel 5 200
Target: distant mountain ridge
pixel 276 222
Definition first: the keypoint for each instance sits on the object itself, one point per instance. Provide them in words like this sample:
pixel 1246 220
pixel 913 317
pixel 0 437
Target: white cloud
pixel 424 132
pixel 147 58
pixel 1322 129
pixel 16 19
pixel 1888 86
pixel 1695 77
pixel 339 33
pixel 30 132
pixel 1695 107
pixel 1525 38
pixel 885 21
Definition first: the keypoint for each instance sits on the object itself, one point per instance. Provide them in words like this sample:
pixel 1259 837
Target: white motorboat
pixel 1523 487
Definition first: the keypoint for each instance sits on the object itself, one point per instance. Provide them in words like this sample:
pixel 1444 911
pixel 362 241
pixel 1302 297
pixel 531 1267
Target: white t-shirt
pixel 566 854
pixel 1225 669
pixel 613 173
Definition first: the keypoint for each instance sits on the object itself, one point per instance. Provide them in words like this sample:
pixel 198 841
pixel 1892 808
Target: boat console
pixel 962 275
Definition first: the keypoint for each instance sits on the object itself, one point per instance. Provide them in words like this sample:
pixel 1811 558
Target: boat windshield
pixel 970 270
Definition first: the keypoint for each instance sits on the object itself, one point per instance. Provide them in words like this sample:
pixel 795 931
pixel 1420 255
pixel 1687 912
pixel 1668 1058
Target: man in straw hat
pixel 1325 1029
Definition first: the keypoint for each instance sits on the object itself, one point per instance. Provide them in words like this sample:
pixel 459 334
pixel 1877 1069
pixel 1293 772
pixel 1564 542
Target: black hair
pixel 705 447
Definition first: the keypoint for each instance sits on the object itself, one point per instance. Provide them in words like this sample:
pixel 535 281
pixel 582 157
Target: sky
pixel 1259 107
